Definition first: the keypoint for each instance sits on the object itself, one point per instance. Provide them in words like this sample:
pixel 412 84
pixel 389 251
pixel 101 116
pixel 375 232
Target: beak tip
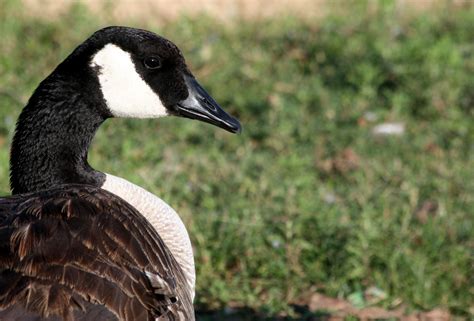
pixel 239 130
pixel 235 127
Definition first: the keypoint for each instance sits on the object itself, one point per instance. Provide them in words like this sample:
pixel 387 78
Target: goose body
pixel 79 244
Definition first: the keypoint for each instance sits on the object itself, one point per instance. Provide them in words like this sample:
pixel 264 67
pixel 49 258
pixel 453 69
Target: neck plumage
pixel 52 139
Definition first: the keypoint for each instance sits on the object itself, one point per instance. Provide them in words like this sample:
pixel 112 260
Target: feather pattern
pixel 74 251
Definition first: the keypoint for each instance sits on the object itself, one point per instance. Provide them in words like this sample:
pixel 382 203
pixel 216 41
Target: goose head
pixel 116 72
pixel 143 75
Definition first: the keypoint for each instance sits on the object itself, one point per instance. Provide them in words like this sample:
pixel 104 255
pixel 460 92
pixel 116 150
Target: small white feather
pixel 389 129
pixel 159 284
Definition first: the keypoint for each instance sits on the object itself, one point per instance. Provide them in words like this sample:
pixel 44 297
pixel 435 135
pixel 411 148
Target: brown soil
pixel 161 11
pixel 166 10
pixel 339 310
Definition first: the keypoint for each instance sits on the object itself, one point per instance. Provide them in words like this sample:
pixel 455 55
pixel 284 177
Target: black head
pixel 144 75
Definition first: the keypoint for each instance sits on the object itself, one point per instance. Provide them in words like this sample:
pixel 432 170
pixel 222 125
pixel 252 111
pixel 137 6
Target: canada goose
pixel 79 244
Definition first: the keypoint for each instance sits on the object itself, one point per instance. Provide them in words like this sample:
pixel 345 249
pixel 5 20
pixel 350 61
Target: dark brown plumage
pixel 68 251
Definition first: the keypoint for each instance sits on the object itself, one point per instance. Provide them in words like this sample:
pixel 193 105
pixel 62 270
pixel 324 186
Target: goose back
pixel 74 244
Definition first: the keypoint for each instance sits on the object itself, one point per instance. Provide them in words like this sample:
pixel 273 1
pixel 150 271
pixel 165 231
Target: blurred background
pixel 349 194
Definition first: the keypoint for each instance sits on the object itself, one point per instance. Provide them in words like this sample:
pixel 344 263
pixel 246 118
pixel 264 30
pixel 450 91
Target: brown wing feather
pixel 91 312
pixel 78 244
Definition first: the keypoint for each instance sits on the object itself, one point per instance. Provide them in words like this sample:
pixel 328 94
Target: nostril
pixel 208 103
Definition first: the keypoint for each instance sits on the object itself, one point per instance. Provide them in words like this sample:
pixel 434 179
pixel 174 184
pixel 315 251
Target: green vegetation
pixel 307 198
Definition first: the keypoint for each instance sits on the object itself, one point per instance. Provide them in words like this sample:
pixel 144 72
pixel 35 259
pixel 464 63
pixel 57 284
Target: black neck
pixel 54 132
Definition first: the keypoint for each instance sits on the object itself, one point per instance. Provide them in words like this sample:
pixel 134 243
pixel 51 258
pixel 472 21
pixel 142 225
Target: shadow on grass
pixel 248 314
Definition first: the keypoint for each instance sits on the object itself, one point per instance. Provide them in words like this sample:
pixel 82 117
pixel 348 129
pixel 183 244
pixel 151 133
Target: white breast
pixel 163 218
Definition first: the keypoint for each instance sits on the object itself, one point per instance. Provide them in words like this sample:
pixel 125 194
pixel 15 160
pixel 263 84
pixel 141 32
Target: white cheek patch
pixel 125 92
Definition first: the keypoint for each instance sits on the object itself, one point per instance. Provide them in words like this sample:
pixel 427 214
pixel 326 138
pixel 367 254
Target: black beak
pixel 200 105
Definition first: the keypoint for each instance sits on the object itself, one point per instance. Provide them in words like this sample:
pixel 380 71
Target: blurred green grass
pixel 306 198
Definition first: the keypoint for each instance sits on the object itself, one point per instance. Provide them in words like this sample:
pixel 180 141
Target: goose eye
pixel 152 62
